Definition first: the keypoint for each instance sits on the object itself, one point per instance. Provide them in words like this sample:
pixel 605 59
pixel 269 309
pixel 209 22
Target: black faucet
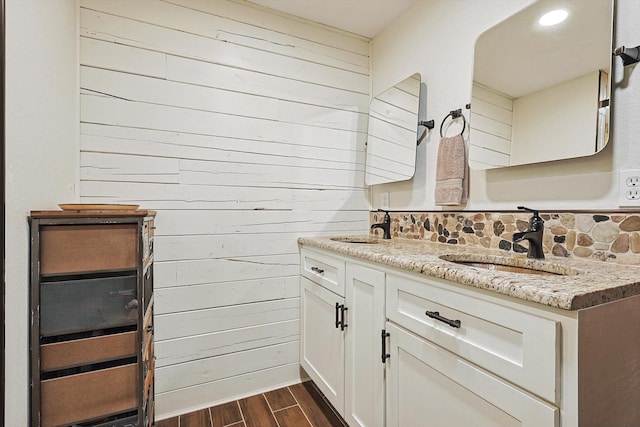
pixel 385 225
pixel 533 234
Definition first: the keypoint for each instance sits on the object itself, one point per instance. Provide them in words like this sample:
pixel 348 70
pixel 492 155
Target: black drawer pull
pixel 338 315
pixel 317 270
pixel 384 336
pixel 343 325
pixel 436 315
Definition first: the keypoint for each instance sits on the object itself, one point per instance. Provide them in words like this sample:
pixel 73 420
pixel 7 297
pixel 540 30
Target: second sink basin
pixel 507 268
pixel 355 239
pixel 511 265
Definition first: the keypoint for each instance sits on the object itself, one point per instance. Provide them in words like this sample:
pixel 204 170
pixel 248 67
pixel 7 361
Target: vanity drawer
pixel 518 346
pixel 324 270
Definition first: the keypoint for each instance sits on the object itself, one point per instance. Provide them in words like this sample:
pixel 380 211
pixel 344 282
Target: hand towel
pixel 451 172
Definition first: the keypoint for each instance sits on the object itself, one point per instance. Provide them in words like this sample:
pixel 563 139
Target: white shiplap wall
pixel 491 119
pixel 244 129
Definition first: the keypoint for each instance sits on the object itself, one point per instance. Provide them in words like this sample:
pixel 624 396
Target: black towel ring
pixel 454 114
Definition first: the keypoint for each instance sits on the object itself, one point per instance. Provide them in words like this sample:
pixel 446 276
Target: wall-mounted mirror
pixel 541 92
pixel 392 133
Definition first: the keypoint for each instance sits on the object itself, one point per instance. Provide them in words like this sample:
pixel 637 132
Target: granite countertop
pixel 577 283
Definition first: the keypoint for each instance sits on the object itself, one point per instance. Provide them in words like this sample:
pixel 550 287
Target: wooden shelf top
pixel 87 213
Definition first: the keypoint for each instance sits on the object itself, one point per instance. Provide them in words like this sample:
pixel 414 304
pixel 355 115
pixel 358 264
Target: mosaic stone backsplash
pixel 611 237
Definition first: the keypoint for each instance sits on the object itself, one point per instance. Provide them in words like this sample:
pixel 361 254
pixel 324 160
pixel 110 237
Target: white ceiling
pixel 518 56
pixel 363 17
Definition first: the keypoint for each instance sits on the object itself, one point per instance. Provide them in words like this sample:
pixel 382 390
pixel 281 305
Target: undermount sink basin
pixel 511 265
pixel 366 240
pixel 507 268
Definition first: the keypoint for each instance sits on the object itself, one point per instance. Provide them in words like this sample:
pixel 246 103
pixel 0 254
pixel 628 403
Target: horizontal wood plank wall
pixel 245 129
pixel 491 118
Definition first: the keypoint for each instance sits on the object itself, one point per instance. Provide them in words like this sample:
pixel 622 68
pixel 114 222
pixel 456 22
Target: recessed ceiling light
pixel 553 18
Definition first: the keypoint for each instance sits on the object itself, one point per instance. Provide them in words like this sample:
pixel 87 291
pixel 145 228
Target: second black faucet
pixel 534 234
pixel 385 225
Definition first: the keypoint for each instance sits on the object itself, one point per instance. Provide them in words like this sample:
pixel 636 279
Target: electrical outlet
pixel 629 188
pixel 632 195
pixel 632 181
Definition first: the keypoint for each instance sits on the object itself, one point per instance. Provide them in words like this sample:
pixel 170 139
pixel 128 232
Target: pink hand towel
pixel 451 172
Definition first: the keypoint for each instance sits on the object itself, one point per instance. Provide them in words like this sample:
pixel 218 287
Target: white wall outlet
pixel 384 200
pixel 632 195
pixel 629 188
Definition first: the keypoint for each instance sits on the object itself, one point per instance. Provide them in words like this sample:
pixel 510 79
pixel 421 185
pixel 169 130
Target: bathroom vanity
pixel 92 361
pixel 397 332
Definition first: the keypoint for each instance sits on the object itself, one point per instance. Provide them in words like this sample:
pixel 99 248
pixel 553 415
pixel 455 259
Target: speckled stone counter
pixel 577 283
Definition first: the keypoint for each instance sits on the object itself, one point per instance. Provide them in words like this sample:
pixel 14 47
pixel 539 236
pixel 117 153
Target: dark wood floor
pixel 299 405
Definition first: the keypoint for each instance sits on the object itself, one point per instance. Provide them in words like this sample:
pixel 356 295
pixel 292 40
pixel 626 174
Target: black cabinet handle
pixel 385 355
pixel 340 309
pixel 317 270
pixel 436 315
pixel 343 325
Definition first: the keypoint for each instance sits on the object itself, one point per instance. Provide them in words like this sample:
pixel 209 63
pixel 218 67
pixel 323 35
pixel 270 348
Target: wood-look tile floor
pixel 299 405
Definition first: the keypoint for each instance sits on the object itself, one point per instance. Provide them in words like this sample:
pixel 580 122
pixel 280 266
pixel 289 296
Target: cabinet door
pixel 427 385
pixel 321 342
pixel 364 370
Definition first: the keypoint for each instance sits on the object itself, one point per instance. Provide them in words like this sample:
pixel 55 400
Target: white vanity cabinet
pixel 518 346
pixel 456 355
pixel 342 316
pixel 321 338
pixel 450 355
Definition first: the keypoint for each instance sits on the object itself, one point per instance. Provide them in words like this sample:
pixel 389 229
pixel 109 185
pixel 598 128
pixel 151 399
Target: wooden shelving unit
pixel 91 343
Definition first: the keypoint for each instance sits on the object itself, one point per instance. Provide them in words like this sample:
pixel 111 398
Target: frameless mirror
pixel 541 92
pixel 392 133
